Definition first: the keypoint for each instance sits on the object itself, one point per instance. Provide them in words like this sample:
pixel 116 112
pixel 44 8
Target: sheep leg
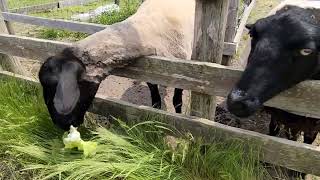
pixel 309 137
pixel 292 133
pixel 155 95
pixel 177 100
pixel 274 126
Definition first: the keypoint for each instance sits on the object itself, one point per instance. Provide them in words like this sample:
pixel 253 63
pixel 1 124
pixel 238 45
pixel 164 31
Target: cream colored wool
pixel 160 27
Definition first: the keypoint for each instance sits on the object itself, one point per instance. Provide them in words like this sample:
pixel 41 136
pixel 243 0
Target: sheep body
pixel 300 3
pixel 159 27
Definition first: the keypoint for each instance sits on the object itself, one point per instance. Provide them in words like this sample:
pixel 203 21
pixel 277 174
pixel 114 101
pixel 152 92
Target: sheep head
pixel 67 89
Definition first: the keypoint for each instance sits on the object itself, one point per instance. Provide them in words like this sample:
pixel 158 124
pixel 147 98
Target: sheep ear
pixel 67 93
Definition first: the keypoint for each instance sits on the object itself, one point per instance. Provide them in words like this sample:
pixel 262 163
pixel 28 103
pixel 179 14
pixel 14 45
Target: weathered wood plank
pixel 229 49
pixel 54 23
pixel 35 8
pixel 243 22
pixel 232 23
pixel 215 79
pixel 30 47
pixel 9 63
pixel 67 3
pixel 210 23
pixel 203 77
pixel 297 156
pixel 18 77
pixel 4 8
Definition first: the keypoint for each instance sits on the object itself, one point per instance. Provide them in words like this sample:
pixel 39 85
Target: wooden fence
pixel 18 15
pixel 202 77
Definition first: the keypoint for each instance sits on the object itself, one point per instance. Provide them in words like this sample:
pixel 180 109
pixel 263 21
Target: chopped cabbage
pixel 73 140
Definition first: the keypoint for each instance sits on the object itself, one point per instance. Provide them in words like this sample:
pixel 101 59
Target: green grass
pixel 127 8
pixel 67 12
pixel 261 9
pixel 58 34
pixel 12 4
pixel 31 148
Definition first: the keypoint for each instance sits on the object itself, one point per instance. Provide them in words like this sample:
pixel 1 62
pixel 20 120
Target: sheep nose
pixel 241 104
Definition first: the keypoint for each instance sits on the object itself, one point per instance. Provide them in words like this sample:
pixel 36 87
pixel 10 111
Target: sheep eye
pixel 306 52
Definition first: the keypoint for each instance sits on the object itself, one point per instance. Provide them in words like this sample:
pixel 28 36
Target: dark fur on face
pixel 66 90
pixel 284 52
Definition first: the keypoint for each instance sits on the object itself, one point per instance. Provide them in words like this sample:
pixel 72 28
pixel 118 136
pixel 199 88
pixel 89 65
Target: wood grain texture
pixel 4 8
pixel 210 23
pixel 243 22
pixel 10 63
pixel 203 77
pixel 54 23
pixel 229 49
pixel 232 24
pixel 293 155
pixel 31 48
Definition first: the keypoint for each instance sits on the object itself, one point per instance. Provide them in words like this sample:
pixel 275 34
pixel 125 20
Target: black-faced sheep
pixel 285 51
pixel 71 79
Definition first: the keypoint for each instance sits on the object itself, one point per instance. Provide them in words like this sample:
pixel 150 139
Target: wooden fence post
pixel 7 62
pixel 4 8
pixel 210 22
pixel 231 27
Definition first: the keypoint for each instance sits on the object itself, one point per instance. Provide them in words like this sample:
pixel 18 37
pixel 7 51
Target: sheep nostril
pixel 241 105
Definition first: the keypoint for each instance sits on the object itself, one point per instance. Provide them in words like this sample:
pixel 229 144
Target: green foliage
pixel 67 12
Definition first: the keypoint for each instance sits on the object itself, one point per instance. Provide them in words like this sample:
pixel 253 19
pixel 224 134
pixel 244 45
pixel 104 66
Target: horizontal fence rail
pixel 67 3
pixel 49 6
pixel 90 28
pixel 207 78
pixel 35 8
pixel 293 155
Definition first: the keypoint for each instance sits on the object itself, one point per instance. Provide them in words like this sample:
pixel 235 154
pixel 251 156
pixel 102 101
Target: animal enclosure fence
pixel 201 77
pixel 20 15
